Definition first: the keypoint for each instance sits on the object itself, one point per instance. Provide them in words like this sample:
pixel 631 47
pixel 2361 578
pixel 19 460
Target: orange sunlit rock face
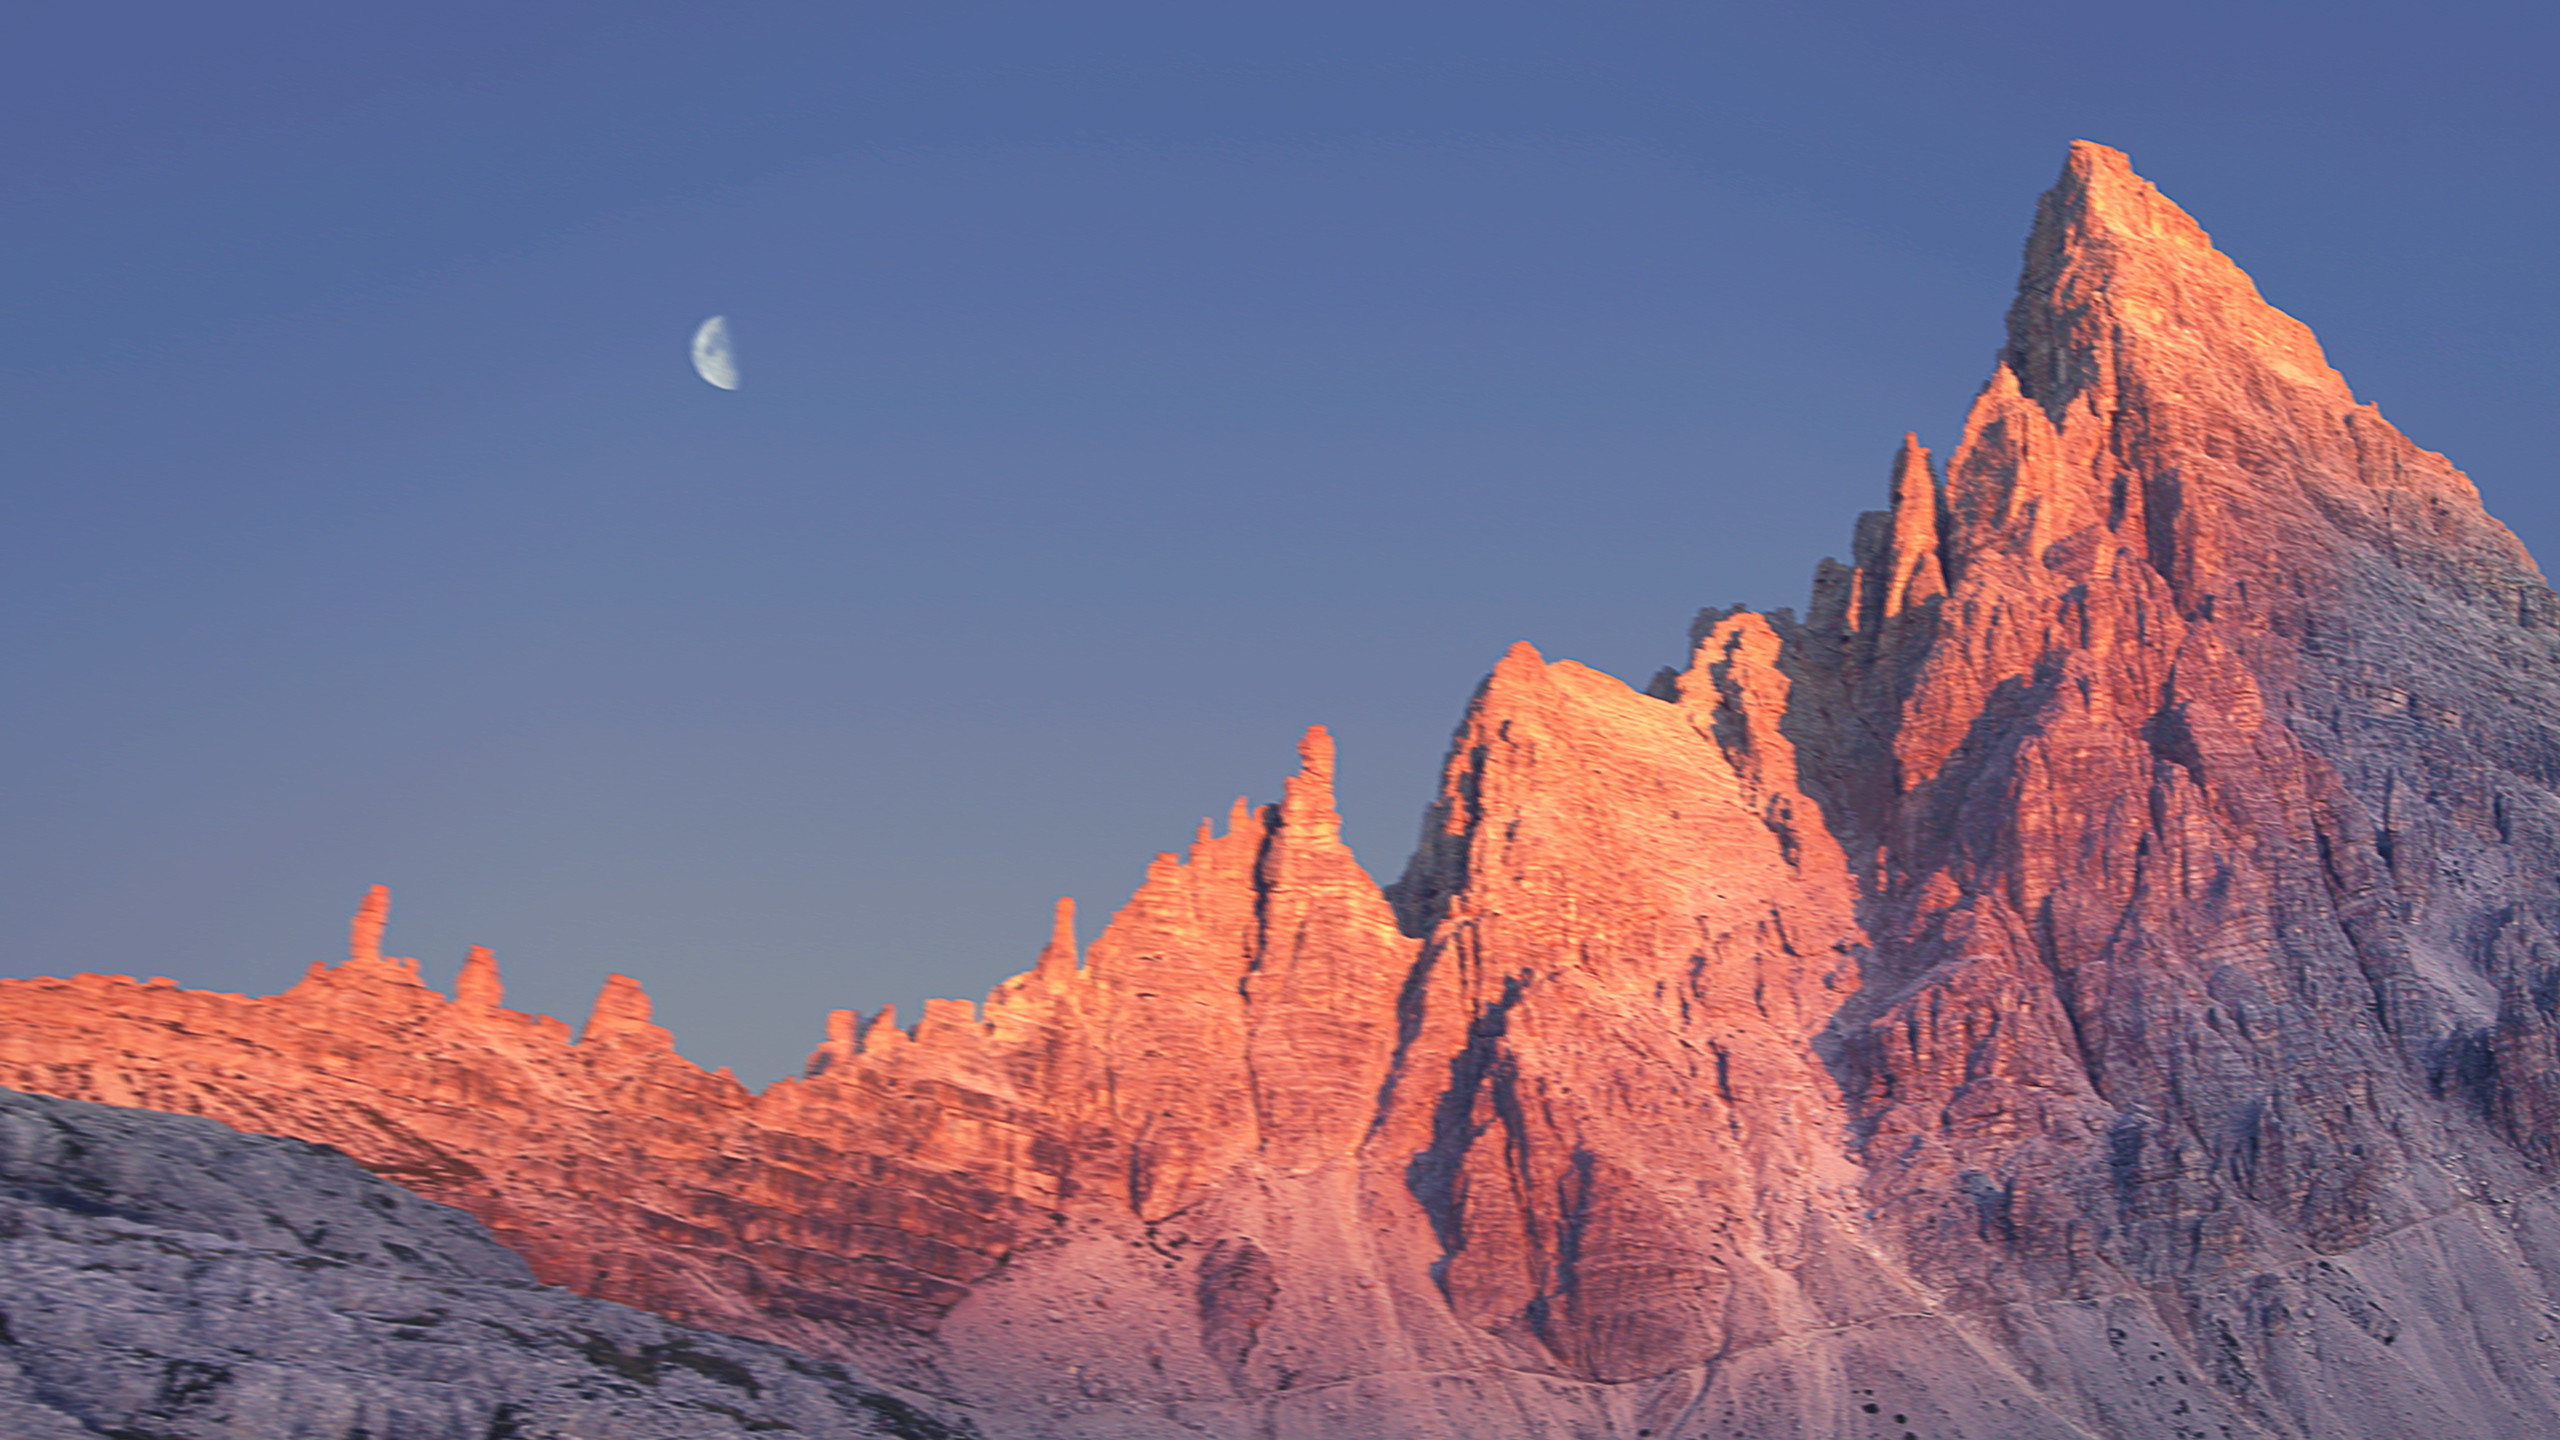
pixel 873 1192
pixel 593 1159
pixel 2092 974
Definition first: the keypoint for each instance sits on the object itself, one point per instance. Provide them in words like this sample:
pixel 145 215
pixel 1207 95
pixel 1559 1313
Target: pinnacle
pixel 364 932
pixel 1911 479
pixel 622 1009
pixel 479 985
pixel 1315 754
pixel 1307 809
pixel 1058 957
pixel 1911 553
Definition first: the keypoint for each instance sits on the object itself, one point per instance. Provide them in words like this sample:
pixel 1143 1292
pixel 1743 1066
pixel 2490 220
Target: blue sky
pixel 1127 386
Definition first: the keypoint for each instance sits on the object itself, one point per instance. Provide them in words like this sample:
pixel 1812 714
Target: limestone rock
pixel 2205 791
pixel 167 1276
pixel 2096 973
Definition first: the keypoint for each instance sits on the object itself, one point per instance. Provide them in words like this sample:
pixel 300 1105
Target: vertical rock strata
pixel 2206 831
pixel 1628 1150
pixel 2092 975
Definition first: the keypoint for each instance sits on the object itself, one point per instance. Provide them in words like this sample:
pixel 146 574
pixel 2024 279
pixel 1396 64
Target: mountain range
pixel 2092 974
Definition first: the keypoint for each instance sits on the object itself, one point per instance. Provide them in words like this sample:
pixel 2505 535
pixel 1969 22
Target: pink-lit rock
pixel 2097 973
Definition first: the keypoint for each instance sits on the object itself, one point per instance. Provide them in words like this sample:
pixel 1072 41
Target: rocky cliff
pixel 2091 975
pixel 167 1278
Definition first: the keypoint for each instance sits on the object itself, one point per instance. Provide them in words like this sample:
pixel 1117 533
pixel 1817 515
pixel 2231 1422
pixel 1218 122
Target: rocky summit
pixel 2092 975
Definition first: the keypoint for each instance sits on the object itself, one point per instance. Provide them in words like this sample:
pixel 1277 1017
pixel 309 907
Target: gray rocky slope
pixel 164 1277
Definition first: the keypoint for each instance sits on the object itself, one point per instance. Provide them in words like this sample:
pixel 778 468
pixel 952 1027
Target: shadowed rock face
pixel 167 1278
pixel 2092 975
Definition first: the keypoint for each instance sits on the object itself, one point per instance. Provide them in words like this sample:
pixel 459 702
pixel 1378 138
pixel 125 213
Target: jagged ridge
pixel 2091 975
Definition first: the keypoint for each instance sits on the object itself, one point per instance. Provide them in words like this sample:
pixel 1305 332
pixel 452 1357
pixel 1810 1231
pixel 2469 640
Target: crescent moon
pixel 713 360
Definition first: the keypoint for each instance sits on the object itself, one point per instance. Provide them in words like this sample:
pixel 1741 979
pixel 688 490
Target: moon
pixel 713 360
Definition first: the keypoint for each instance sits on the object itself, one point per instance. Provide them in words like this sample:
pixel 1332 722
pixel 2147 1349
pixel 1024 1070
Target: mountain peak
pixel 2099 203
pixel 2120 282
pixel 2129 907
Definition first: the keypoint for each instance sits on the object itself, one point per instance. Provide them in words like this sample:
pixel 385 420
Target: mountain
pixel 167 1278
pixel 2092 975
